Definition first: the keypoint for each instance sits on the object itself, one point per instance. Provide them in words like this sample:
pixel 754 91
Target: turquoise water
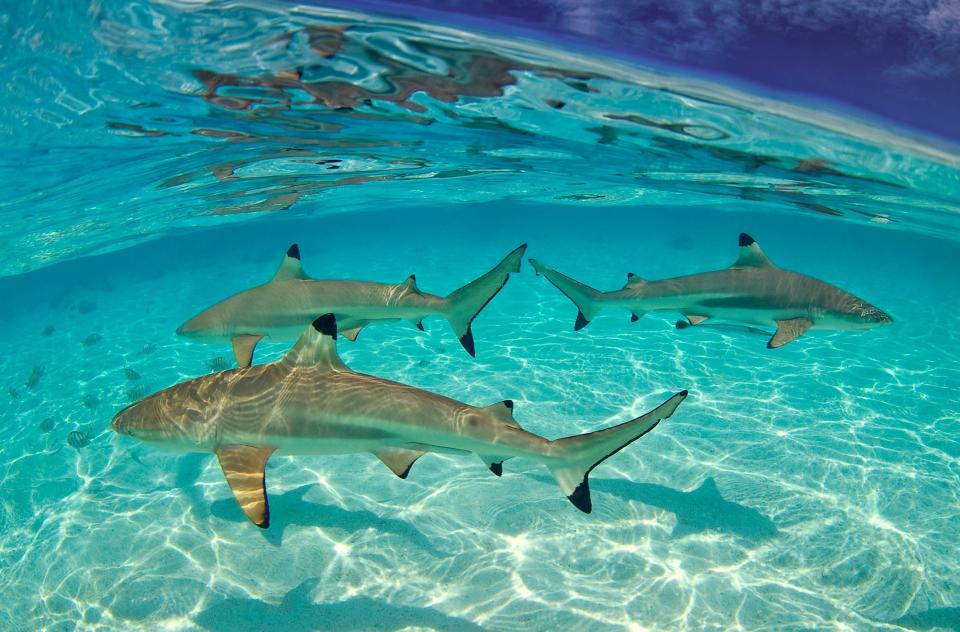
pixel 159 157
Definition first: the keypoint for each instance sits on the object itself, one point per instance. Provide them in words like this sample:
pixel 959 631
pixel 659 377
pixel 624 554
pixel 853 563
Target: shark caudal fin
pixel 583 296
pixel 576 456
pixel 461 306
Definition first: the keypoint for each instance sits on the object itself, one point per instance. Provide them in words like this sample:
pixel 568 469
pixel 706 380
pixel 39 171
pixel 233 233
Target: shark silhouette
pixel 753 291
pixel 310 402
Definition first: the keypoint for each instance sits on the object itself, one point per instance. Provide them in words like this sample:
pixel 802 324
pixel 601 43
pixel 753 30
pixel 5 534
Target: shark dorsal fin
pixel 243 467
pixel 503 412
pixel 290 267
pixel 633 280
pixel 317 346
pixel 411 284
pixel 751 256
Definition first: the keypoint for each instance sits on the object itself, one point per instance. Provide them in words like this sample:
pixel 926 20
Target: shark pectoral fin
pixel 503 412
pixel 399 460
pixel 351 334
pixel 694 319
pixel 243 466
pixel 788 331
pixel 750 254
pixel 243 347
pixel 495 463
pixel 318 346
pixel 290 267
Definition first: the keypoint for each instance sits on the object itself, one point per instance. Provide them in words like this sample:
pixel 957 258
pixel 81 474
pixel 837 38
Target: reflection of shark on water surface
pixel 281 308
pixel 753 291
pixel 309 402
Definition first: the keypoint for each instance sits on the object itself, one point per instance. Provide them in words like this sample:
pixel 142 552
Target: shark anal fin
pixel 694 319
pixel 243 347
pixel 788 331
pixel 750 254
pixel 243 466
pixel 290 267
pixel 351 334
pixel 399 460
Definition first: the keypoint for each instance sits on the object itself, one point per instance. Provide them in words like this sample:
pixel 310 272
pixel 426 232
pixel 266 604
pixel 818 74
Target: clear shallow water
pixel 810 487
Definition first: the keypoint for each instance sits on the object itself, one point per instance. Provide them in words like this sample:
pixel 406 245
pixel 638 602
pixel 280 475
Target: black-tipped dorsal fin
pixel 750 254
pixel 290 267
pixel 318 346
pixel 411 284
pixel 633 280
pixel 399 460
pixel 503 412
pixel 243 466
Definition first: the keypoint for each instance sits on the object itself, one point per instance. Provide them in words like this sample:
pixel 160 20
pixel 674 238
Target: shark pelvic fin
pixel 503 412
pixel 290 267
pixel 694 319
pixel 750 254
pixel 495 463
pixel 352 333
pixel 399 460
pixel 410 284
pixel 243 467
pixel 788 331
pixel 243 347
pixel 318 346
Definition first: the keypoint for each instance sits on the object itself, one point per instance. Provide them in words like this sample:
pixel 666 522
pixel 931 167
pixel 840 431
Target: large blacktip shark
pixel 309 402
pixel 752 291
pixel 281 308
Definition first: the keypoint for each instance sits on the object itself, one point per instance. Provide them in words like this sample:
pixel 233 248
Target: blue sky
pixel 896 59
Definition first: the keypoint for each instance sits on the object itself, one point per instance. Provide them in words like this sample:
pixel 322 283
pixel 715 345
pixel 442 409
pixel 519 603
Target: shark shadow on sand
pixel 293 510
pixel 701 509
pixel 298 612
pixel 947 618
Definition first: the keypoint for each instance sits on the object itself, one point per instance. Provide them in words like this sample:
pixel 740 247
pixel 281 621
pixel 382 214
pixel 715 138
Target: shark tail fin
pixel 583 296
pixel 461 306
pixel 575 457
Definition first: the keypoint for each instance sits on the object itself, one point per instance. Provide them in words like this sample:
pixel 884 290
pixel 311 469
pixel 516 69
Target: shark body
pixel 309 402
pixel 753 291
pixel 281 308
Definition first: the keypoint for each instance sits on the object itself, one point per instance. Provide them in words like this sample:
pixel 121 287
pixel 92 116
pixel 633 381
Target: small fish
pixel 47 424
pixel 218 364
pixel 131 374
pixel 35 376
pixel 91 401
pixel 136 393
pixel 14 393
pixel 78 439
pixel 148 348
pixel 48 330
pixel 92 339
pixel 85 307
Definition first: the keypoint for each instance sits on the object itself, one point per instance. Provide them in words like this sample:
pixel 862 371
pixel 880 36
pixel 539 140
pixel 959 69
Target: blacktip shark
pixel 309 402
pixel 752 291
pixel 282 307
